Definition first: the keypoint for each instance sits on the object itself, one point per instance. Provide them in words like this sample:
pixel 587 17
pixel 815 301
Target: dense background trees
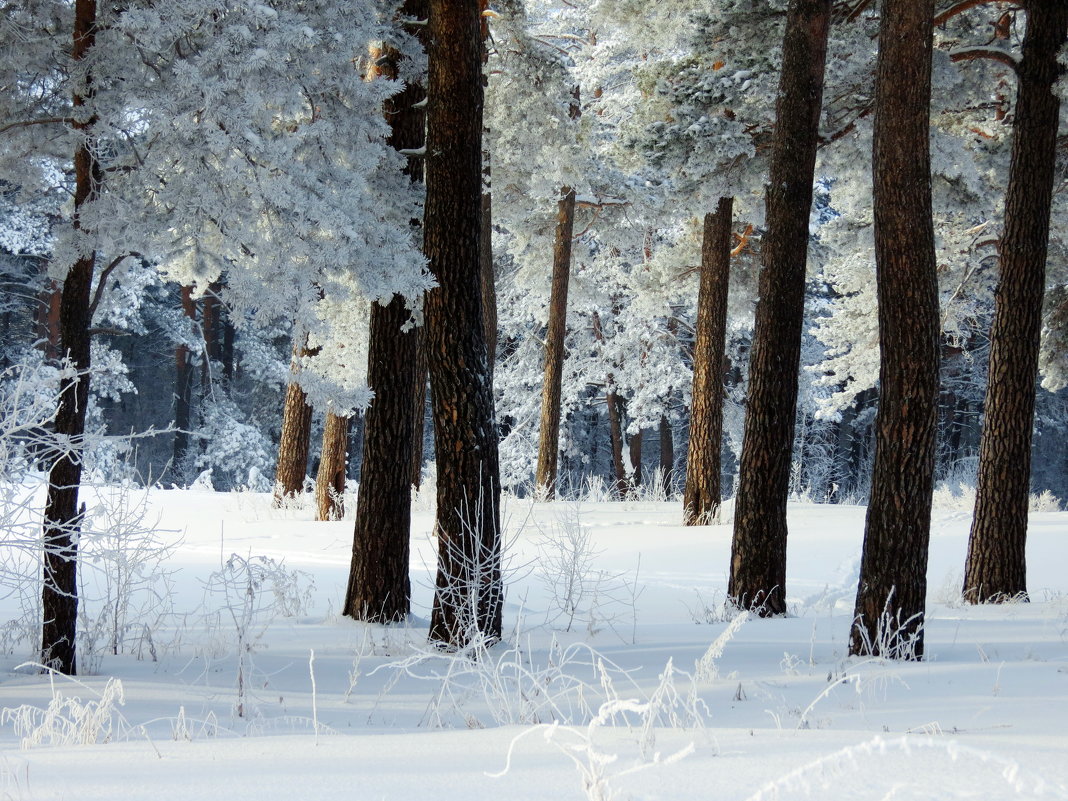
pixel 215 184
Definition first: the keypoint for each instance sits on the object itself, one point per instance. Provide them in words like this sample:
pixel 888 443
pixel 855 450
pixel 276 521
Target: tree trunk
pixel 183 393
pixel 667 457
pixel 296 435
pixel 888 617
pixel 379 588
pixel 616 407
pixel 62 520
pixel 758 551
pixel 549 444
pixel 701 497
pixel 996 565
pixel 330 480
pixel 467 604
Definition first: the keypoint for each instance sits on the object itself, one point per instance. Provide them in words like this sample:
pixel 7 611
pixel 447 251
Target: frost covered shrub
pixel 236 447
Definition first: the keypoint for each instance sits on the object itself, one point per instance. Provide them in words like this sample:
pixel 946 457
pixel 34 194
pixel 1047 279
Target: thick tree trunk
pixel 330 479
pixel 549 443
pixel 701 497
pixel 996 565
pixel 59 590
pixel 379 588
pixel 467 604
pixel 758 552
pixel 183 391
pixel 295 439
pixel 888 617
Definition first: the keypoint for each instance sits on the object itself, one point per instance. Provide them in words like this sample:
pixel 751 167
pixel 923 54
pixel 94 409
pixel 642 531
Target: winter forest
pixel 415 367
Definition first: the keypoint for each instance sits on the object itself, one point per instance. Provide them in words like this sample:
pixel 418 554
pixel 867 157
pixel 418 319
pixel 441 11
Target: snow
pixel 782 713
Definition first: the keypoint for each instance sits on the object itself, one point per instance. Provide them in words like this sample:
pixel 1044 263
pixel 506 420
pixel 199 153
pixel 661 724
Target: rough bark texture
pixel 549 442
pixel 758 551
pixel 888 617
pixel 183 390
pixel 295 438
pixel 701 497
pixel 996 565
pixel 59 591
pixel 616 414
pixel 330 480
pixel 379 588
pixel 667 457
pixel 467 604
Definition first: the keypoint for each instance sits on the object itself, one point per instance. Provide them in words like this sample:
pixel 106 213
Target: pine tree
pixel 758 551
pixel 889 612
pixel 469 595
pixel 701 498
pixel 996 565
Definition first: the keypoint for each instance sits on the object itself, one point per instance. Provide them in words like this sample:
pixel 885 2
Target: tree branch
pixel 27 123
pixel 102 281
pixel 989 53
pixel 960 8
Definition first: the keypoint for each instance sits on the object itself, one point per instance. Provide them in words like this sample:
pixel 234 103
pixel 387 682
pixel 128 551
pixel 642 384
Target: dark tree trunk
pixel 379 588
pixel 758 551
pixel 701 497
pixel 295 439
pixel 467 604
pixel 996 566
pixel 62 520
pixel 330 479
pixel 210 314
pixel 616 406
pixel 888 617
pixel 667 457
pixel 183 392
pixel 549 444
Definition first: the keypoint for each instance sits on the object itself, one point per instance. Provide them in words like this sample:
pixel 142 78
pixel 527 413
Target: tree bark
pixel 616 407
pixel 888 616
pixel 549 443
pixel 379 588
pixel 667 457
pixel 62 519
pixel 996 568
pixel 295 439
pixel 330 479
pixel 183 392
pixel 758 551
pixel 702 496
pixel 467 604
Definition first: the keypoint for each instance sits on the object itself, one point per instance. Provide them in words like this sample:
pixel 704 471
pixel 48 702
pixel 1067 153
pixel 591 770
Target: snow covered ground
pixel 658 693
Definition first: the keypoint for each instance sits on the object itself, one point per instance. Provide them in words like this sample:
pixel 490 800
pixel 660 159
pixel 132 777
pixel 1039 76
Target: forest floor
pixel 621 674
